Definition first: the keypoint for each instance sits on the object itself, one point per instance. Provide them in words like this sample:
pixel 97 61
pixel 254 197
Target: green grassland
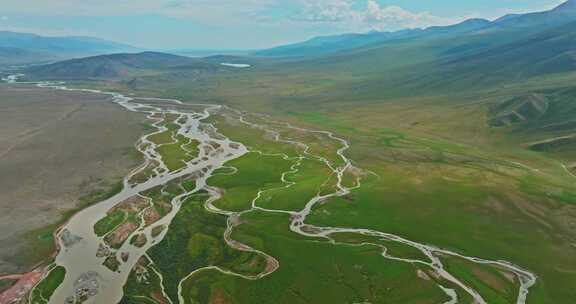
pixel 147 173
pixel 131 210
pixel 174 149
pixel 195 240
pixel 437 173
pixel 438 179
pixel 161 138
pixel 44 290
pixel 463 185
pixel 315 272
pixel 311 176
pixel 492 284
pixel 176 155
pixel 255 172
pixel 143 285
pixel 109 222
pixel 464 216
pixel 394 249
pixel 162 196
pixel 252 138
pixel 470 199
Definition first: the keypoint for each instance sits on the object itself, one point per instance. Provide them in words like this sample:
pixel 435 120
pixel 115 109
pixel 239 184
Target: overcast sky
pixel 240 24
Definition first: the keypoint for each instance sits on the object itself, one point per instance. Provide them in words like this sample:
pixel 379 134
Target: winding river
pixel 79 244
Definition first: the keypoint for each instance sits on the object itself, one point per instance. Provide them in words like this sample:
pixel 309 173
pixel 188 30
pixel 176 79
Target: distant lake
pixel 236 65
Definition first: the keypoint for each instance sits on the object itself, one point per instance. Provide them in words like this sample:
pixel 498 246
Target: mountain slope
pixel 564 13
pixel 546 53
pixel 116 65
pixel 480 32
pixel 333 44
pixel 12 55
pixel 23 48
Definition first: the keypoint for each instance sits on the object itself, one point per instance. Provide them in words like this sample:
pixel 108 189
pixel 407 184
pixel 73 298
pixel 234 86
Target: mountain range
pixel 473 55
pixel 23 48
pixel 516 46
pixel 112 66
pixel 512 24
pixel 473 123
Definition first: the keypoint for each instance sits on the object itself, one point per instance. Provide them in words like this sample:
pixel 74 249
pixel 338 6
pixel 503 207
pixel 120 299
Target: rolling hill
pixel 470 55
pixel 340 43
pixel 463 59
pixel 563 13
pixel 549 52
pixel 473 124
pixel 23 48
pixel 472 33
pixel 118 66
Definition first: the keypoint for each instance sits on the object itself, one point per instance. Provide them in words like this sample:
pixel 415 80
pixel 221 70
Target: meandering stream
pixel 79 243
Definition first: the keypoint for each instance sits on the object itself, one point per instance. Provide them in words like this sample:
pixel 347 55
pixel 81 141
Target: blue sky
pixel 240 24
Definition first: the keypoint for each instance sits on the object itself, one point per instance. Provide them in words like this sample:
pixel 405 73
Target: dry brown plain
pixel 58 150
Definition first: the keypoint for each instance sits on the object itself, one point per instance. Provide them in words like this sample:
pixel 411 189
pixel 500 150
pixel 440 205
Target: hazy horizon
pixel 240 24
pixel 430 160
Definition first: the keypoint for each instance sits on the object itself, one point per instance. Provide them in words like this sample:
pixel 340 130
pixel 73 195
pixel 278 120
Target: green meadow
pixel 435 191
pixel 433 170
pixel 255 172
pixel 314 271
pixel 195 240
pixel 460 137
pixel 44 290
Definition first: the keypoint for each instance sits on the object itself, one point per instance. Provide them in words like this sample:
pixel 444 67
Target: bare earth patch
pixel 21 288
pixel 55 147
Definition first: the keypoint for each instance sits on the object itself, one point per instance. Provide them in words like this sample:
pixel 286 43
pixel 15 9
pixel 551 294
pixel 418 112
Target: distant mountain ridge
pixel 514 24
pixel 332 44
pixel 550 51
pixel 528 61
pixel 563 13
pixel 117 66
pixel 472 53
pixel 24 48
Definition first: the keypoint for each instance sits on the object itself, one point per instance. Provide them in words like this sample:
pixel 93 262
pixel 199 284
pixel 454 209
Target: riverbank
pixel 326 148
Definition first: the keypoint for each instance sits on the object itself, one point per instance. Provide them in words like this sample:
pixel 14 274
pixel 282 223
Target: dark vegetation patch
pixel 194 240
pixel 44 290
pixel 255 172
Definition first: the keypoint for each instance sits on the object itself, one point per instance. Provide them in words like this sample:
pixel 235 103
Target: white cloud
pixel 396 17
pixel 372 15
pixel 211 12
pixel 83 7
pixel 343 15
pixel 131 7
pixel 217 12
pixel 325 11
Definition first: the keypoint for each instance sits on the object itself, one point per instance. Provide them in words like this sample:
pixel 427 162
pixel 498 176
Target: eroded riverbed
pixel 89 280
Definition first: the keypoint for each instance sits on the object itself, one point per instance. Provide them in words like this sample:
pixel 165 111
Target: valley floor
pixel 365 215
pixel 59 151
